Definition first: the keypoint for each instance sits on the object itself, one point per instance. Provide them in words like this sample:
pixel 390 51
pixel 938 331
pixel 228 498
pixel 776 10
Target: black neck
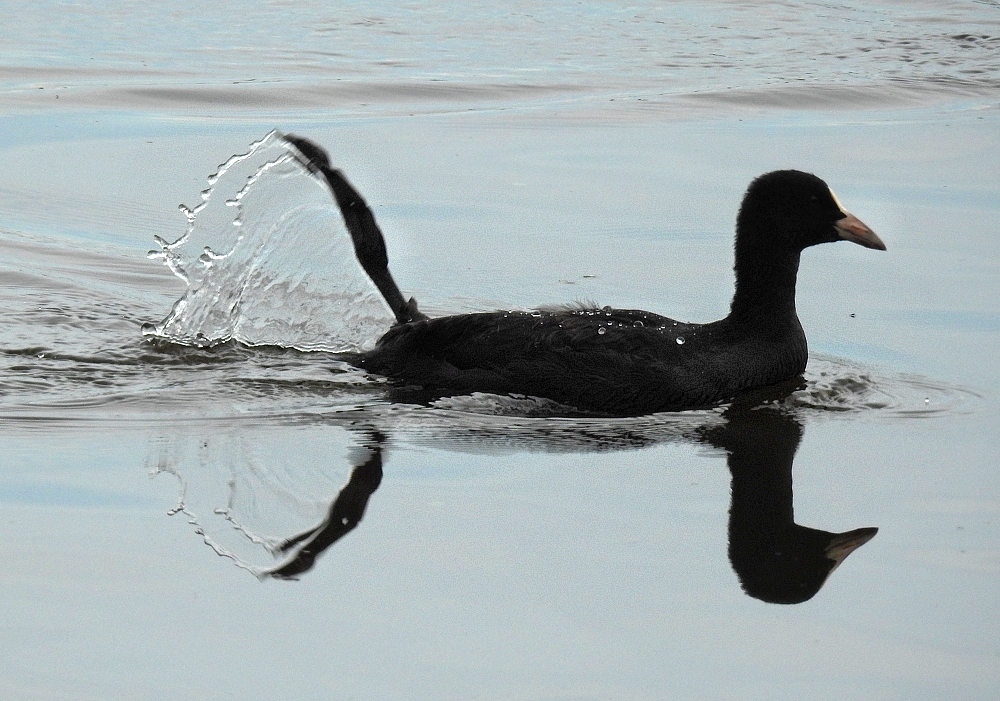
pixel 765 286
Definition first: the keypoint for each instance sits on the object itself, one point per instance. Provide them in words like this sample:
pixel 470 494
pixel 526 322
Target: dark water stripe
pixel 349 97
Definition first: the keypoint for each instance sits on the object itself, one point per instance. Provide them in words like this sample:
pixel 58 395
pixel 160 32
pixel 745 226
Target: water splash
pixel 267 261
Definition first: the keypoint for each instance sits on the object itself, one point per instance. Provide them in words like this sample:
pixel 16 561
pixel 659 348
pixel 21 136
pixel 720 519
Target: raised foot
pixel 315 157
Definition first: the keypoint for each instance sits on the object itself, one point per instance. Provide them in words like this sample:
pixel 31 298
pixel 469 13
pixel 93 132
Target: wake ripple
pixel 838 386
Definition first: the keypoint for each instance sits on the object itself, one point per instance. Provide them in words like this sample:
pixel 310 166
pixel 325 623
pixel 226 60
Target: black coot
pixel 616 361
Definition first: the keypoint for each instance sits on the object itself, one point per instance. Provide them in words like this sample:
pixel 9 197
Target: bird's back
pixel 605 360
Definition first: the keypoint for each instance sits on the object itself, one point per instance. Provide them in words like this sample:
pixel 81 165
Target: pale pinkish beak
pixel 850 228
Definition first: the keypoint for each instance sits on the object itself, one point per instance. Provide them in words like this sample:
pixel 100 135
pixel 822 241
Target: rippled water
pixel 311 55
pixel 174 433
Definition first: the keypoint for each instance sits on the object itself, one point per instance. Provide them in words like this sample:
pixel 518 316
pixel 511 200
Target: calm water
pixel 249 520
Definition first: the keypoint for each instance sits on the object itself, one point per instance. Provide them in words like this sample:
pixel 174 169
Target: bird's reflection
pixel 776 560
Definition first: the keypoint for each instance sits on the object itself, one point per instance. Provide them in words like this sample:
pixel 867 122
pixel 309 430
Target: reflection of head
pixel 775 559
pixel 790 567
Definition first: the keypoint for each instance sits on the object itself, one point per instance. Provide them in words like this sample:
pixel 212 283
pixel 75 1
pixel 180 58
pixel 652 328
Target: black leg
pixel 369 244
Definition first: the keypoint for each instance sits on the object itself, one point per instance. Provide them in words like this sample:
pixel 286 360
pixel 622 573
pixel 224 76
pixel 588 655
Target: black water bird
pixel 614 361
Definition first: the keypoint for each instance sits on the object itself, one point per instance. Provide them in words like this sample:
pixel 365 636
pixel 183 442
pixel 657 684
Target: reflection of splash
pixel 268 262
pixel 242 502
pixel 164 467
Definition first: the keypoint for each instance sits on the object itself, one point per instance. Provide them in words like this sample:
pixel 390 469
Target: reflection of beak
pixel 850 228
pixel 843 544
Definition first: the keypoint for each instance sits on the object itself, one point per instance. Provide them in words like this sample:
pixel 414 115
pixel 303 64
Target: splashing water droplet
pixel 680 340
pixel 242 262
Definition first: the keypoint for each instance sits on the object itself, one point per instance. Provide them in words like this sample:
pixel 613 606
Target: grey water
pixel 200 499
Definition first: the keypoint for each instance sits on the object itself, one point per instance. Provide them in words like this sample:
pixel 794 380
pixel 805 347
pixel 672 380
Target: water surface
pixel 172 510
